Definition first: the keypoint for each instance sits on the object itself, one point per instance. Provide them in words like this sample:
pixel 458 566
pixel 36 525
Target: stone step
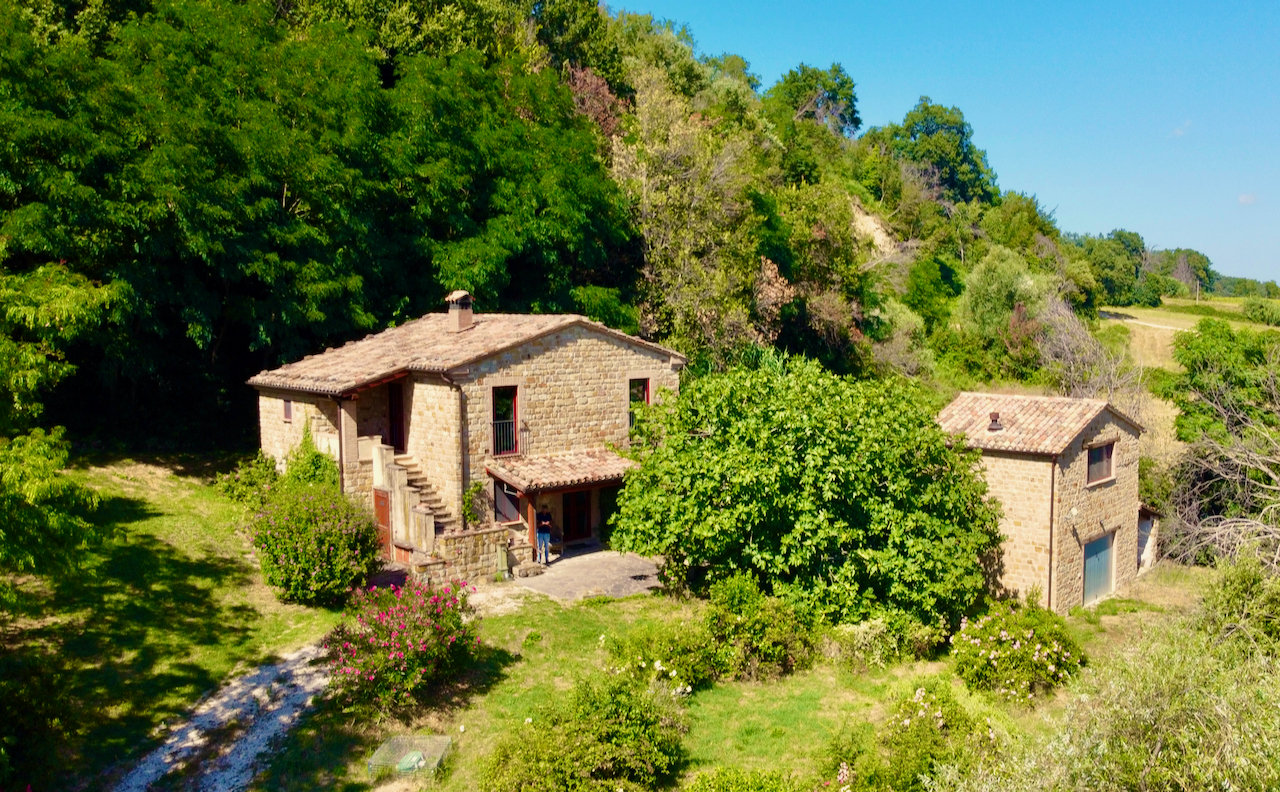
pixel 528 570
pixel 415 477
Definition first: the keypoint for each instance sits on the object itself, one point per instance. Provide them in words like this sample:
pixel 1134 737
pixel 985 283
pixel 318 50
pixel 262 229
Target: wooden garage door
pixel 1097 568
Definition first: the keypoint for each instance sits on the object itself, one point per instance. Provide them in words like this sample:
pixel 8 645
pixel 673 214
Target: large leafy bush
pixel 314 544
pixel 1267 312
pixel 841 493
pixel 398 642
pixel 1017 651
pixel 762 636
pixel 603 736
pixel 252 482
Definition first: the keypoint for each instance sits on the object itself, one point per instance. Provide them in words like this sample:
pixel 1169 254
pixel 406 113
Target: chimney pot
pixel 460 315
pixel 995 423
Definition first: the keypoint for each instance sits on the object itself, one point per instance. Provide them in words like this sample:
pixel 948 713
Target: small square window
pixel 1100 462
pixel 288 410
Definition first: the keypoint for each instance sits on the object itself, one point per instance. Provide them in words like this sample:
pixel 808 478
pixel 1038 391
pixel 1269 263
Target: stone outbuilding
pixel 497 412
pixel 1065 471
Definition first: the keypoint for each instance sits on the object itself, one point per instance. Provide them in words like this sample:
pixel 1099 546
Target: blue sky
pixel 1161 118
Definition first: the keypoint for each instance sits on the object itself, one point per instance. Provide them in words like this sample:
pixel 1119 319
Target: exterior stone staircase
pixel 445 520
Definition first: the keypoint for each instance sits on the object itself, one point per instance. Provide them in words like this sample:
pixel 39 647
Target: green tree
pixel 939 136
pixel 576 33
pixel 826 97
pixel 932 285
pixel 43 514
pixel 435 27
pixel 829 267
pixel 1227 487
pixel 1114 267
pixel 691 189
pixel 839 492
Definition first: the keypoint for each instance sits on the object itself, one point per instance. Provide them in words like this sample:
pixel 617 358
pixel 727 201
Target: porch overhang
pixel 539 473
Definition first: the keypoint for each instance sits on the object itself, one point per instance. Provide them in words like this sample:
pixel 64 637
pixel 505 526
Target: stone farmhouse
pixel 526 409
pixel 1065 472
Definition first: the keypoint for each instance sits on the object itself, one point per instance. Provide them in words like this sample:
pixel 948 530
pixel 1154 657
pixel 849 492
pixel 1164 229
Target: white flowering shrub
pixel 926 730
pixel 1016 651
pixel 678 656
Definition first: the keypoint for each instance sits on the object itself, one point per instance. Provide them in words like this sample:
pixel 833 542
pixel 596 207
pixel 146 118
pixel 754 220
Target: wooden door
pixel 1097 568
pixel 576 516
pixel 382 516
pixel 395 416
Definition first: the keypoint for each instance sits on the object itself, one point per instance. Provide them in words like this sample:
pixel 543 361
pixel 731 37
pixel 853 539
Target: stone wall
pixel 1021 482
pixel 572 394
pixel 372 417
pixel 435 435
pixel 473 556
pixel 278 437
pixel 1084 512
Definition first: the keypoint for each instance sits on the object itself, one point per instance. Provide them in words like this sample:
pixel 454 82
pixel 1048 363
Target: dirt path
pixel 221 742
pixel 219 746
pixel 1131 320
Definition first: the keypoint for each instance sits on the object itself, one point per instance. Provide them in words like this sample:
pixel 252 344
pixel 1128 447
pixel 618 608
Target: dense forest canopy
pixel 198 189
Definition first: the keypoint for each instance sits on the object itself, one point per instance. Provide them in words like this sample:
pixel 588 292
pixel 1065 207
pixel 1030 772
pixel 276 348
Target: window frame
pixel 286 413
pixel 515 419
pixel 1108 451
pixel 632 401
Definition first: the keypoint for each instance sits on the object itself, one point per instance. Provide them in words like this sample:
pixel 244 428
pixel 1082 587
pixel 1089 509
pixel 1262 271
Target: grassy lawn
pixel 159 615
pixel 538 650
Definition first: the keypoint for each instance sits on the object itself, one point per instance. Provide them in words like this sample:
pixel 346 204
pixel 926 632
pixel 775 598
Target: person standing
pixel 543 526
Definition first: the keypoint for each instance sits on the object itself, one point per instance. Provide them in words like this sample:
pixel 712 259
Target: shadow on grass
pixel 133 625
pixel 204 466
pixel 319 751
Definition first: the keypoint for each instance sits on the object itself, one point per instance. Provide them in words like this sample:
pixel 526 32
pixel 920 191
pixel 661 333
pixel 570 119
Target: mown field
pixel 1148 334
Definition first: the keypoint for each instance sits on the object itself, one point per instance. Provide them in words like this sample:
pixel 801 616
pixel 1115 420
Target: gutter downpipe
pixel 1053 504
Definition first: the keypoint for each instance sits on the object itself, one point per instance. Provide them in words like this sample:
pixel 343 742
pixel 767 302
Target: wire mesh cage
pixel 409 754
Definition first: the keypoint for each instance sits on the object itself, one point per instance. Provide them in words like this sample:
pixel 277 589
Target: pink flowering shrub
pixel 314 544
pixel 927 729
pixel 397 642
pixel 1017 651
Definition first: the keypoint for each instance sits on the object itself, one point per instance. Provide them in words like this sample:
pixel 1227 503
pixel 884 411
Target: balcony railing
pixel 505 439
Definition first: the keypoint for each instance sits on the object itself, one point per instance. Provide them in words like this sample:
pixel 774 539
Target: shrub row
pixel 744 634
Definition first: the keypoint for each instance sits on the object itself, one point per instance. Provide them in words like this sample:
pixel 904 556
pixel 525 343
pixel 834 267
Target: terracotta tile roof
pixel 1032 424
pixel 542 472
pixel 426 344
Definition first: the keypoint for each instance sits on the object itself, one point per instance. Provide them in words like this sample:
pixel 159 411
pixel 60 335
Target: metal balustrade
pixel 505 438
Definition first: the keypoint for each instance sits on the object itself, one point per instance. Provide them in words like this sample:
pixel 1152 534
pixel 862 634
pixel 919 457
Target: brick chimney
pixel 460 317
pixel 995 425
